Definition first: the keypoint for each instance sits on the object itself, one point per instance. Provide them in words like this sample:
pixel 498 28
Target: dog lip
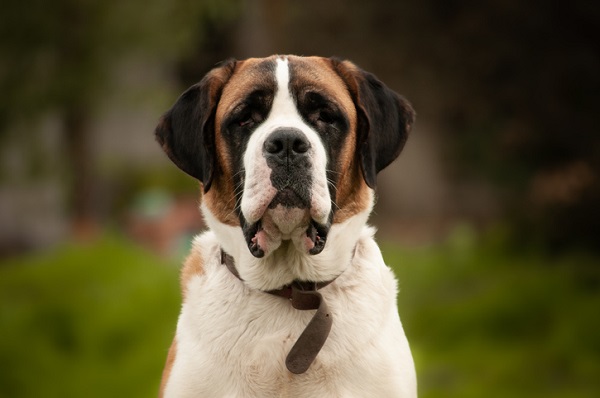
pixel 250 232
pixel 317 233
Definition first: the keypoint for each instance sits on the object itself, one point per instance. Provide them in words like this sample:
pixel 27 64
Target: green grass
pixel 486 322
pixel 92 321
pixel 97 320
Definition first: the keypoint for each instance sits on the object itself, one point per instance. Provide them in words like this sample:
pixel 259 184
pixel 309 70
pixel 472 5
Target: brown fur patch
pixel 220 199
pixel 248 75
pixel 167 369
pixel 352 190
pixel 352 193
pixel 318 72
pixel 192 266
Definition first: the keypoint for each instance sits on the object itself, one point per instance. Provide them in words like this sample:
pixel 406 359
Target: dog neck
pixel 302 296
pixel 286 265
pixel 287 290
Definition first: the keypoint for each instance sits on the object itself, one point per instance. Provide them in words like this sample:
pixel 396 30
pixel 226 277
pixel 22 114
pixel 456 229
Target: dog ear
pixel 384 119
pixel 187 131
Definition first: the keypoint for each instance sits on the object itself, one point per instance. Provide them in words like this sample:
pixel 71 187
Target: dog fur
pixel 287 150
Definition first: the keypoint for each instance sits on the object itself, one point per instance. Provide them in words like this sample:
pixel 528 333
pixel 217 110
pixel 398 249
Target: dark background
pixel 490 216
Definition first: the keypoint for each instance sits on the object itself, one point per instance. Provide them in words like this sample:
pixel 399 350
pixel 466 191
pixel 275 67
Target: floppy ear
pixel 384 119
pixel 187 131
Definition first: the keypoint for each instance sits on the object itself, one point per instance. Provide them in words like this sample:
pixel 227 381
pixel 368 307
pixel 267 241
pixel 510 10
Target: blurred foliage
pixel 97 320
pixel 58 58
pixel 125 186
pixel 86 321
pixel 60 53
pixel 520 92
pixel 511 87
pixel 487 322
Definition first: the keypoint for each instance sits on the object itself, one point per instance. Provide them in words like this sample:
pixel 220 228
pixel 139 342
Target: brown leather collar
pixel 303 296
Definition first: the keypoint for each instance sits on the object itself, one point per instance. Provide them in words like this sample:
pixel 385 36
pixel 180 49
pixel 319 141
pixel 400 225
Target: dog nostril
pixel 300 145
pixel 286 142
pixel 273 146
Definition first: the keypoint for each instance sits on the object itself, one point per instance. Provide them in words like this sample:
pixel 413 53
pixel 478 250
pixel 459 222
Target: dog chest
pixel 232 341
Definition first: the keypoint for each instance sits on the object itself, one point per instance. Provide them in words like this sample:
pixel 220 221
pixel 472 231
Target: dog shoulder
pixel 196 264
pixel 168 368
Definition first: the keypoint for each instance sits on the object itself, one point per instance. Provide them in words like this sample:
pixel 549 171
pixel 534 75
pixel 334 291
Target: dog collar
pixel 302 296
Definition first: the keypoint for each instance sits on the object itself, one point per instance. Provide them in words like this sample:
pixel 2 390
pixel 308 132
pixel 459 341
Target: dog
pixel 287 294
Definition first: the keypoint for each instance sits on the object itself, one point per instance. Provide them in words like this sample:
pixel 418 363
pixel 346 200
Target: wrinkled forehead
pixel 316 74
pixel 249 76
pixel 305 74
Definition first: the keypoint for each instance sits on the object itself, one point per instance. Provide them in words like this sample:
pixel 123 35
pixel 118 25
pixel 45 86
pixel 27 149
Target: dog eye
pixel 247 118
pixel 322 110
pixel 326 116
pixel 246 122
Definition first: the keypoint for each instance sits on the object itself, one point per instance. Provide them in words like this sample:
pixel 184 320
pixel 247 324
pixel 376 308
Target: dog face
pixel 285 147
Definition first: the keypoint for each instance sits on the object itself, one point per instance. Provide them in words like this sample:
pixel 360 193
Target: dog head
pixel 285 148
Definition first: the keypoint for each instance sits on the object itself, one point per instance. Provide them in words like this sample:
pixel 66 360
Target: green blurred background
pixel 489 218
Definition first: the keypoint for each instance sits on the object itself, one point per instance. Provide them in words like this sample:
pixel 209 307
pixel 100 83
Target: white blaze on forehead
pixel 258 191
pixel 283 103
pixel 284 112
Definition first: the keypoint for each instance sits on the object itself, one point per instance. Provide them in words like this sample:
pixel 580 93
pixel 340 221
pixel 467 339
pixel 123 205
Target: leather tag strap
pixel 230 264
pixel 303 296
pixel 312 339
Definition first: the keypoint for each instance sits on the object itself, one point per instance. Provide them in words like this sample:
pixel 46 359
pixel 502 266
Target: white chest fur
pixel 232 340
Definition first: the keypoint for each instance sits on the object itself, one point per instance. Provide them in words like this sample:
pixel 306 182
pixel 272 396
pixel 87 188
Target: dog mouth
pixel 315 237
pixel 287 217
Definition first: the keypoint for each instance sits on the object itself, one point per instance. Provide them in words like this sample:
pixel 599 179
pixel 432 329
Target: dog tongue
pixel 316 235
pixel 255 248
pixel 251 233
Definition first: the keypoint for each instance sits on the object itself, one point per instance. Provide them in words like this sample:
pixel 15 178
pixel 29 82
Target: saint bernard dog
pixel 287 294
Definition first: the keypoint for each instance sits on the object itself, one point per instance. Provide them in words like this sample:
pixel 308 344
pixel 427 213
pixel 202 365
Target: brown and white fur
pixel 287 150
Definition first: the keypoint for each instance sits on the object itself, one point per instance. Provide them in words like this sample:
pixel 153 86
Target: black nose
pixel 286 145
